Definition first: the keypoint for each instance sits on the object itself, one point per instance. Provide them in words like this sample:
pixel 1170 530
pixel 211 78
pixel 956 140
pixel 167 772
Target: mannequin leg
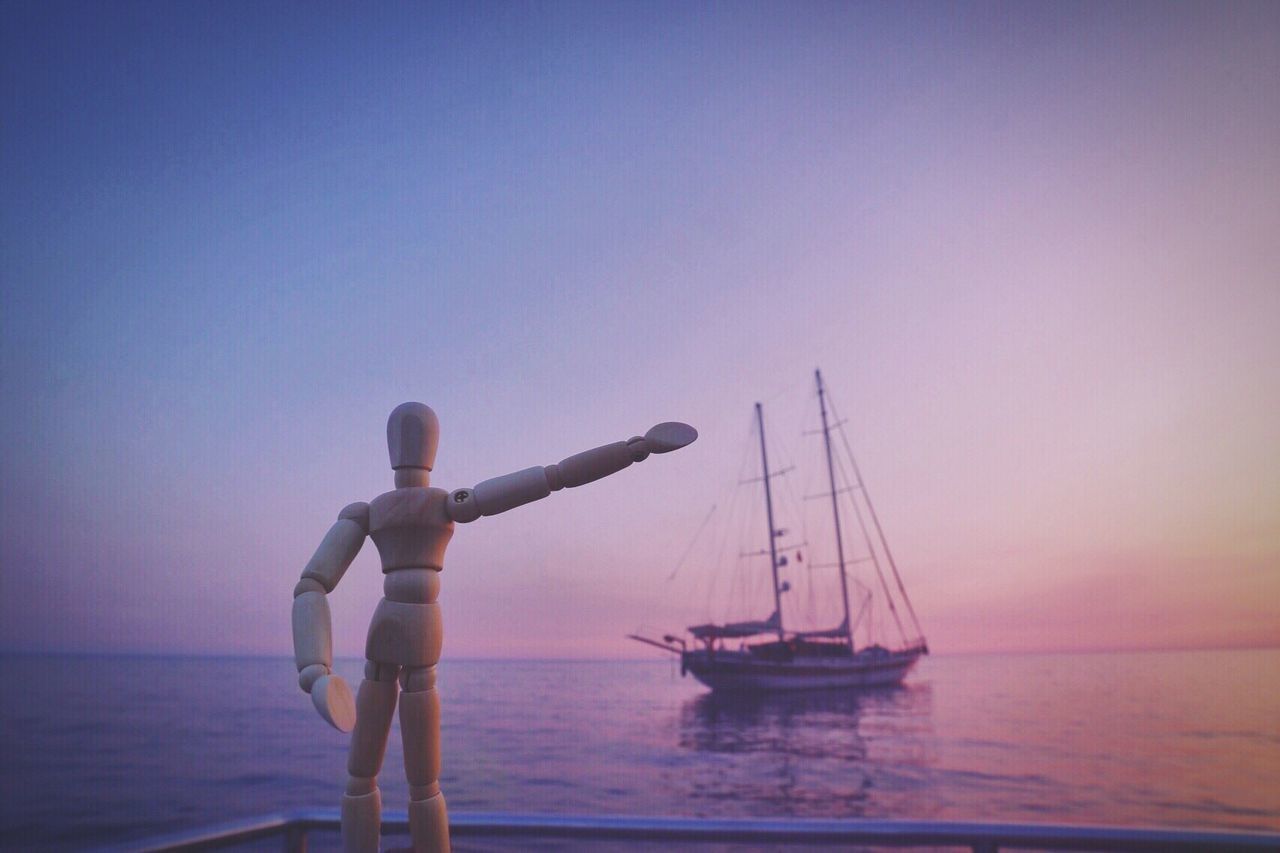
pixel 362 803
pixel 420 730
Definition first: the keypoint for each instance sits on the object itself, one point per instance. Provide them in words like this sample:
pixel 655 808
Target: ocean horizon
pixel 641 658
pixel 151 744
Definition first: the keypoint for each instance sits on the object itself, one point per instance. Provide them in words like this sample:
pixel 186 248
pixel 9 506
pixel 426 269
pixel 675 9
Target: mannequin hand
pixel 669 436
pixel 332 698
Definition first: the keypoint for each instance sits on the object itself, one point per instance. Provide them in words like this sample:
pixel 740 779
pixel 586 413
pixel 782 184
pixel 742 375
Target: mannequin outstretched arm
pixel 312 625
pixel 512 490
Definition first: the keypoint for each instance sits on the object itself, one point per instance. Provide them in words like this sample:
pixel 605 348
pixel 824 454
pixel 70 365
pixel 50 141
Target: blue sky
pixel 1032 247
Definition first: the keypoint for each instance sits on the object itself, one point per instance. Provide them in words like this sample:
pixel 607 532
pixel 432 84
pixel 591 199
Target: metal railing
pixel 292 829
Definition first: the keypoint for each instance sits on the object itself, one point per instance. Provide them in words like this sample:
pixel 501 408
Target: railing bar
pixel 295 839
pixel 896 833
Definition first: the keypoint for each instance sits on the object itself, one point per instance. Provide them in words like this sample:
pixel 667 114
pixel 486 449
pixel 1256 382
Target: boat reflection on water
pixel 808 753
pixel 774 723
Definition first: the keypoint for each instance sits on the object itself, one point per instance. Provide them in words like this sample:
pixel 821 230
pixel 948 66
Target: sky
pixel 1032 247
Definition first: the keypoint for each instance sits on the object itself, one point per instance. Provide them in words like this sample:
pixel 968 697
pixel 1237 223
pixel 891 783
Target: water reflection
pixel 779 723
pixel 805 753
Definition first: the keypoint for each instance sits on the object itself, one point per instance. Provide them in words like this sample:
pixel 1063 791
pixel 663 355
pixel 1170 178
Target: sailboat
pixel 768 657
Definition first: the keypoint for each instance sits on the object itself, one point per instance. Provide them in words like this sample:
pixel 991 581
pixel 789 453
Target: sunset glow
pixel 1034 250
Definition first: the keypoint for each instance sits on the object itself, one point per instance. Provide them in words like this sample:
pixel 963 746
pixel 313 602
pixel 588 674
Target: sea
pixel 108 750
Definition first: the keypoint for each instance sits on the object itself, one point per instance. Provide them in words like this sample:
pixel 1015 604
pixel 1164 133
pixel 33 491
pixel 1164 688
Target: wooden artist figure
pixel 411 526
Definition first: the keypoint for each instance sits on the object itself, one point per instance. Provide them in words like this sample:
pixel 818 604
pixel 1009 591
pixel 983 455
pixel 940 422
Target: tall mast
pixel 768 508
pixel 835 505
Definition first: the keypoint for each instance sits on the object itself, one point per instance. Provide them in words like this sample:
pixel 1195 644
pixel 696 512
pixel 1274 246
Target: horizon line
pixel 214 655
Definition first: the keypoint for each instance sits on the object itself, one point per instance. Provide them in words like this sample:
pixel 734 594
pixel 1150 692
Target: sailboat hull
pixel 743 671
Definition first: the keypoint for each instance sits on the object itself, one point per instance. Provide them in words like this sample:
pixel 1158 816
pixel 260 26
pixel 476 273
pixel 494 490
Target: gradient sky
pixel 1035 249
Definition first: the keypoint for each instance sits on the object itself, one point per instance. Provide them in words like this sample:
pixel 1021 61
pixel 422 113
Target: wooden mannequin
pixel 411 526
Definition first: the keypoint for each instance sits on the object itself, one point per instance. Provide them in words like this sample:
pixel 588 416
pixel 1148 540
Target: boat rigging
pixel 804 659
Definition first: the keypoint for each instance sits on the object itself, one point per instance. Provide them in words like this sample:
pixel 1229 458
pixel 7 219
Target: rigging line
pixel 728 531
pixel 827 555
pixel 743 587
pixel 792 504
pixel 884 542
pixel 799 510
pixel 771 525
pixel 750 581
pixel 694 541
pixel 793 509
pixel 713 581
pixel 816 599
pixel 746 462
pixel 875 560
pixel 866 496
pixel 726 568
pixel 694 589
pixel 862 608
pixel 814 468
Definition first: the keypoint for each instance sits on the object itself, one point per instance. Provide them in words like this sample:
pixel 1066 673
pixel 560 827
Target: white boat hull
pixel 742 671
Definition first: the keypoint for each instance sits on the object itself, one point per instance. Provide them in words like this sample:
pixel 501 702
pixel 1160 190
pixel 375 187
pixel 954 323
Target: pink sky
pixel 1033 250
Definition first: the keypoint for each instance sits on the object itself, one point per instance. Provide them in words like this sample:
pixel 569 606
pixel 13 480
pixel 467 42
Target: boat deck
pixel 294 831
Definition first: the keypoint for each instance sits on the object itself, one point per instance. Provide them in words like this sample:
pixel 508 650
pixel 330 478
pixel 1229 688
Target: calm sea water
pixel 106 749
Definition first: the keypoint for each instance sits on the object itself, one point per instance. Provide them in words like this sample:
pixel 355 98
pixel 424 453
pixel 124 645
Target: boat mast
pixel 768 508
pixel 835 506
